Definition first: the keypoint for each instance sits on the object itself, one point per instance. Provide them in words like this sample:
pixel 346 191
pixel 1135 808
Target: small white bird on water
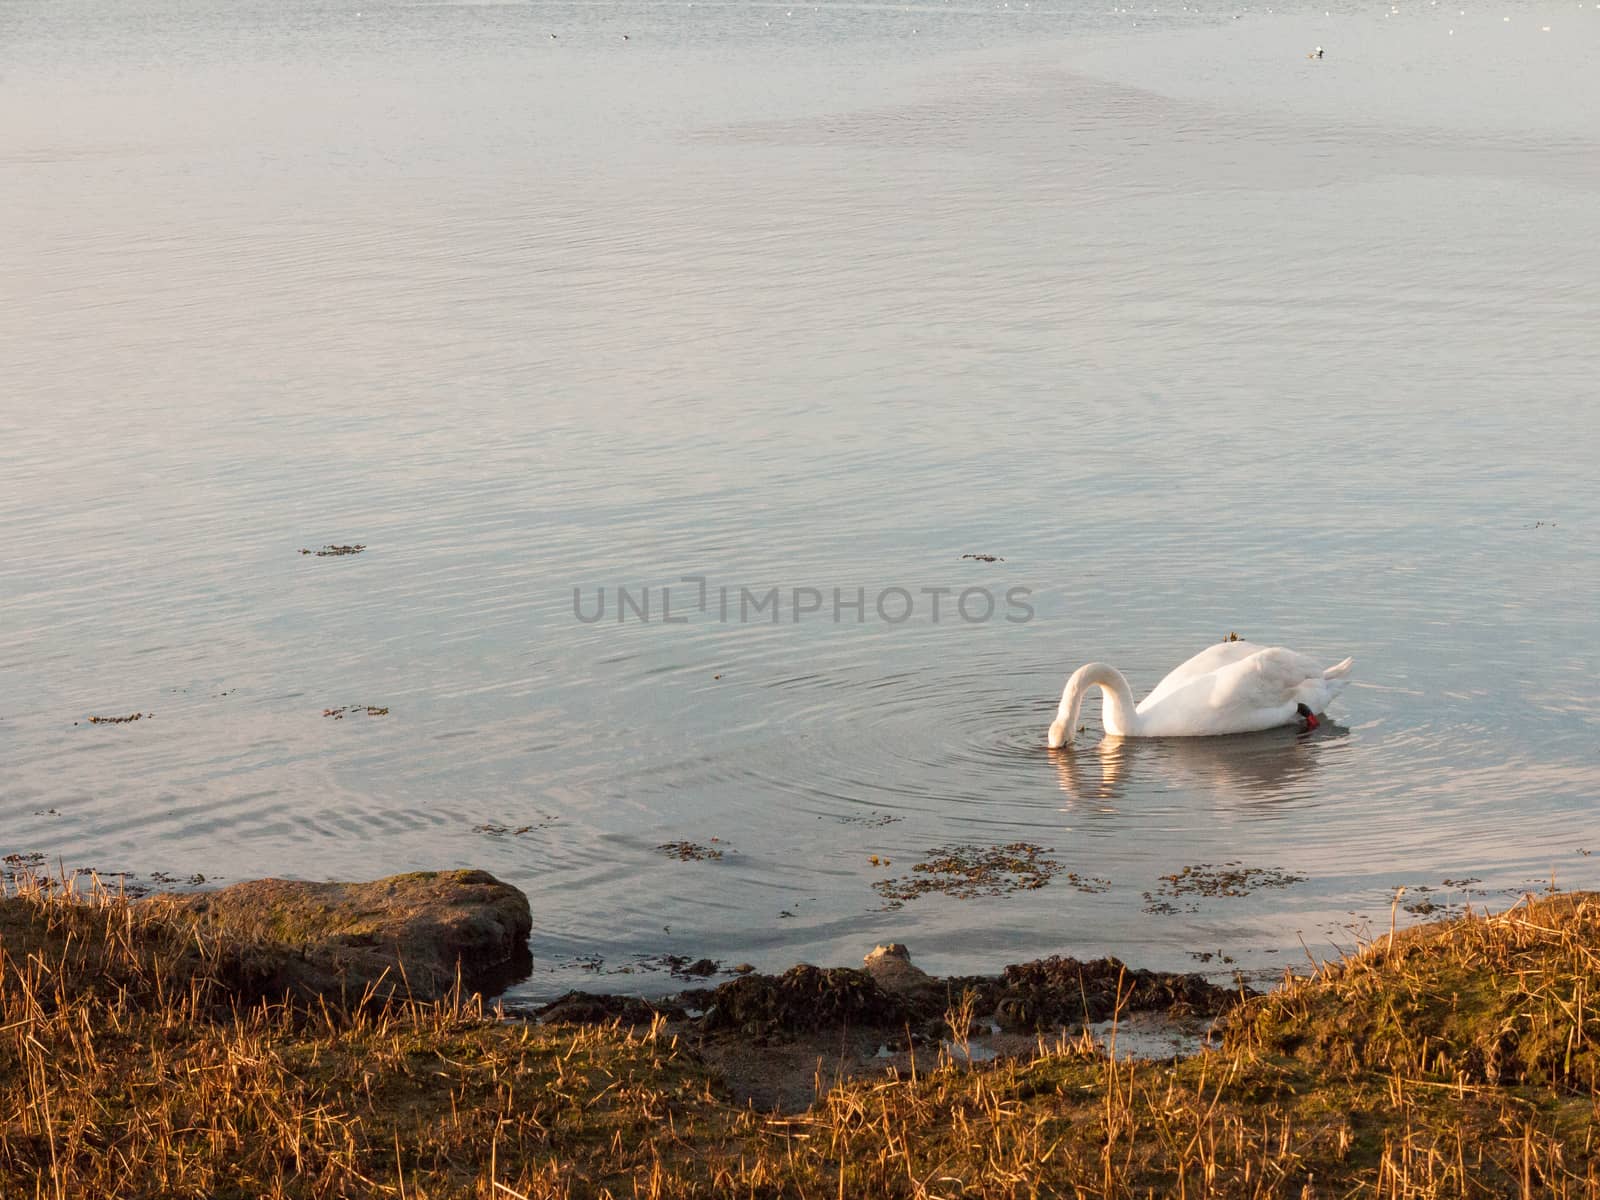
pixel 1232 687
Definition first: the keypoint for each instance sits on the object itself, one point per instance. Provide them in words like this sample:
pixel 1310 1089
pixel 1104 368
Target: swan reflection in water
pixel 1274 764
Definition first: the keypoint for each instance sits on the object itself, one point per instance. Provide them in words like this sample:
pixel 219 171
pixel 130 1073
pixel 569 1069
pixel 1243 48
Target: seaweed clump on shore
pixel 1061 991
pixel 584 1008
pixel 802 999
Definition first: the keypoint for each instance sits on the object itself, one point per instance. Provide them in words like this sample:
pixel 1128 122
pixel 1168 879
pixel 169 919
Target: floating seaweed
pixel 495 830
pixel 1229 879
pixel 679 966
pixel 335 551
pixel 164 877
pixel 1208 880
pixel 1425 901
pixel 690 851
pixel 873 820
pixel 966 872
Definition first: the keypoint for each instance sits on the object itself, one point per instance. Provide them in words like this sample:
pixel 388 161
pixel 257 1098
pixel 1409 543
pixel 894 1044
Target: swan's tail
pixel 1334 681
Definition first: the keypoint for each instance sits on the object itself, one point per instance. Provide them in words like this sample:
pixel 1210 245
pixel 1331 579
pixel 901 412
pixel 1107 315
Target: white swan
pixel 1232 687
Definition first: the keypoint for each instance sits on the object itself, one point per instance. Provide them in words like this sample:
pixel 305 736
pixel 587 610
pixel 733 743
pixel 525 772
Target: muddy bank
pixel 767 1034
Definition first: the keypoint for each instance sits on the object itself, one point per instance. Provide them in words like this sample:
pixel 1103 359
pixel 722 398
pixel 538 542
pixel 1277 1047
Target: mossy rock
pixel 406 935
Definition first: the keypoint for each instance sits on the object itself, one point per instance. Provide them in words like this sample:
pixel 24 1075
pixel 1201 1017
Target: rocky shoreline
pixel 425 935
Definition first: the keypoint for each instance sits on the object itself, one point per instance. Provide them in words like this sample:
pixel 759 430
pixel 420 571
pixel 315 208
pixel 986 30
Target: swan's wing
pixel 1266 679
pixel 1212 658
pixel 1258 691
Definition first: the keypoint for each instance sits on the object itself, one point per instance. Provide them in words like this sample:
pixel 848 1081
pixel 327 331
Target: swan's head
pixel 1058 733
pixel 1307 715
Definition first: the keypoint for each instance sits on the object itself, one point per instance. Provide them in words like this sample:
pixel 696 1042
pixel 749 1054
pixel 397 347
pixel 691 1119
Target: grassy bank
pixel 1461 1061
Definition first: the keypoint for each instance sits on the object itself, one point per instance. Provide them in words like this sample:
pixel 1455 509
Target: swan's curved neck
pixel 1120 716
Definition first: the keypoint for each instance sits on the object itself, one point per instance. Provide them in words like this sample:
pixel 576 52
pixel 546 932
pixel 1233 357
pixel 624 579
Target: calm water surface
pixel 1194 334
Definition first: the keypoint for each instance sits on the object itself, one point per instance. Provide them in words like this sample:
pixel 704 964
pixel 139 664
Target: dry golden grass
pixel 128 1069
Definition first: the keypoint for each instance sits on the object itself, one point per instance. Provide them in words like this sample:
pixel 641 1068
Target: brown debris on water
pixel 1209 881
pixel 336 551
pixel 1089 885
pixel 354 710
pixel 1230 879
pixel 495 829
pixel 138 716
pixel 873 820
pixel 1437 902
pixel 968 872
pixel 679 966
pixel 690 851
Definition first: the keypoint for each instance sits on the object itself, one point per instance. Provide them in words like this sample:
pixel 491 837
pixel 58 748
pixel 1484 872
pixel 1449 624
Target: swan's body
pixel 1232 687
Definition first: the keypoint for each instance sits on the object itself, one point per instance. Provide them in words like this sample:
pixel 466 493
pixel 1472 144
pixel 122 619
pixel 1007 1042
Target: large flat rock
pixel 406 935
